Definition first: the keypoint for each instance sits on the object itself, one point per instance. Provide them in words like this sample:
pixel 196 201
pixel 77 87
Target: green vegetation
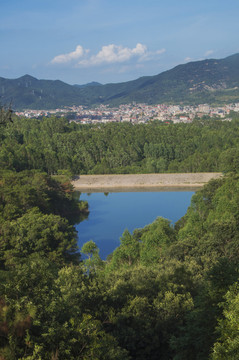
pixel 56 147
pixel 208 81
pixel 167 292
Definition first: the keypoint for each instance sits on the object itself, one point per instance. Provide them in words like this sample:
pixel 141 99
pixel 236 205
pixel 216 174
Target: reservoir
pixel 112 213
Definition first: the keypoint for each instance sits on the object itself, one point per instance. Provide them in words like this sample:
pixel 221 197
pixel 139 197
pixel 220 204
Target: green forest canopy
pixel 167 292
pixel 52 145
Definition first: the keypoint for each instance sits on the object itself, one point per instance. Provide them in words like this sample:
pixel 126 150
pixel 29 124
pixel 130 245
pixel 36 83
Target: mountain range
pixel 212 81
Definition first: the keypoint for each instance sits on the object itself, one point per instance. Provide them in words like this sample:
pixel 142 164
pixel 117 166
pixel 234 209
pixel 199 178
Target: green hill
pixel 211 81
pixel 29 92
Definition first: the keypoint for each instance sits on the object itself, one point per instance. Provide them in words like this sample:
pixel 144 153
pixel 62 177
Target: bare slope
pixel 140 181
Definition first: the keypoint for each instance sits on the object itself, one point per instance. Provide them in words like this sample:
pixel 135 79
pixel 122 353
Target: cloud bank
pixel 66 58
pixel 109 54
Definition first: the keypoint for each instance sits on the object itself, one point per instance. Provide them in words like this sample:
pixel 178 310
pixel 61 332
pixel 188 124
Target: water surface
pixel 111 214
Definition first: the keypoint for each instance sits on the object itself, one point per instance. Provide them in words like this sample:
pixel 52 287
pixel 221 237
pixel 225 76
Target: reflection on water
pixel 111 213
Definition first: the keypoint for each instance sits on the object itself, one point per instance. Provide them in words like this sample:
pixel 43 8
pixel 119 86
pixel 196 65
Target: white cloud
pixel 159 52
pixel 113 54
pixel 109 54
pixel 66 58
pixel 150 55
pixel 187 59
pixel 208 53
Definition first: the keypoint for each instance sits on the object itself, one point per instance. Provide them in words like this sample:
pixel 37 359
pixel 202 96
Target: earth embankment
pixel 138 182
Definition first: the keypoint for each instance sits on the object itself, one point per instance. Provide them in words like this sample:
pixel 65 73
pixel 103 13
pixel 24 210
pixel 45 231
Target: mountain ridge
pixel 210 81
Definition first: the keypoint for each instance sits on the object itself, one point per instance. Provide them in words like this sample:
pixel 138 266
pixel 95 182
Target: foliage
pixel 167 292
pixel 47 235
pixel 93 263
pixel 161 292
pixel 61 149
pixel 227 346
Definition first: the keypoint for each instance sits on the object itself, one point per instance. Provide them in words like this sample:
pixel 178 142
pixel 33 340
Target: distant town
pixel 136 113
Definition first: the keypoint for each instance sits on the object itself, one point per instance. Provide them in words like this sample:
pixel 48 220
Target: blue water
pixel 110 215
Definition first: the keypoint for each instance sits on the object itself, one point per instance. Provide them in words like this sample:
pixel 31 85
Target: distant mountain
pixel 93 83
pixel 207 81
pixel 210 81
pixel 29 92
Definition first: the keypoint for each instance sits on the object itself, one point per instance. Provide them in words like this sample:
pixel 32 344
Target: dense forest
pixel 53 145
pixel 167 292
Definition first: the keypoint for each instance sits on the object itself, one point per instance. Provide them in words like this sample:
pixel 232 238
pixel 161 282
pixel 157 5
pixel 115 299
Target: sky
pixel 109 41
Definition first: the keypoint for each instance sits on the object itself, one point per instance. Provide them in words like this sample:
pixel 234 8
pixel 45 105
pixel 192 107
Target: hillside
pixel 29 92
pixel 210 81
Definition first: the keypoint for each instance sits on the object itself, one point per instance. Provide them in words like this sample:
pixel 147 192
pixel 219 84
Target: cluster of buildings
pixel 136 113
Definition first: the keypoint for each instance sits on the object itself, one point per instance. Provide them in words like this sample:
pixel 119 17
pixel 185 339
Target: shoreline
pixel 142 182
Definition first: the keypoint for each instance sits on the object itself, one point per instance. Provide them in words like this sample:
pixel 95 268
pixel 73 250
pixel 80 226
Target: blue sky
pixel 79 41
